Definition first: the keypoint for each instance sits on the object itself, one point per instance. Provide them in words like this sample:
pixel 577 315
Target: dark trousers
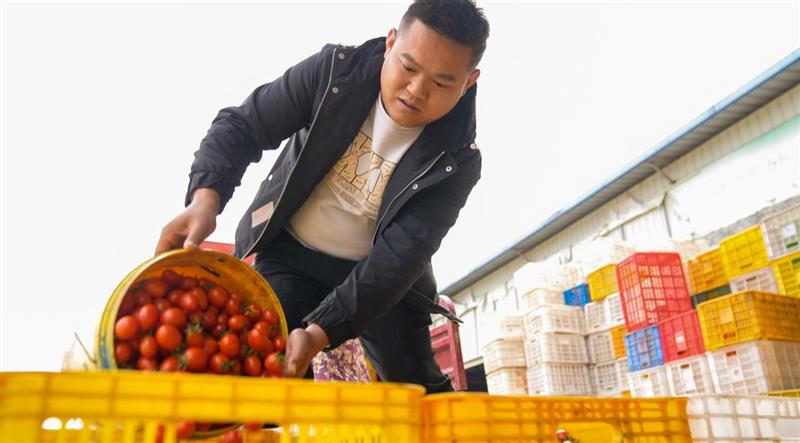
pixel 398 345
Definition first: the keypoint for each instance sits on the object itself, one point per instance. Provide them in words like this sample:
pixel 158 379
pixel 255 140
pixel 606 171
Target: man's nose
pixel 416 87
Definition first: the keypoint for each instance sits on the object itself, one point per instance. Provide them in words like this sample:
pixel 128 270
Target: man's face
pixel 424 75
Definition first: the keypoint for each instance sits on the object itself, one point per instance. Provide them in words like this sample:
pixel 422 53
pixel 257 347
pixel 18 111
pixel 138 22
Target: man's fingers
pixel 168 241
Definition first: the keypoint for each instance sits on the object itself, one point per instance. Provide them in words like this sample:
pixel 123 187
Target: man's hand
pixel 302 346
pixel 193 225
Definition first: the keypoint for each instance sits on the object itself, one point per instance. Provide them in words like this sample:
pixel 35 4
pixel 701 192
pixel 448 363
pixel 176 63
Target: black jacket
pixel 320 105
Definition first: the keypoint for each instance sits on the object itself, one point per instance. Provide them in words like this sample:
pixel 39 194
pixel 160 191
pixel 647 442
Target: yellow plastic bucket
pixel 223 269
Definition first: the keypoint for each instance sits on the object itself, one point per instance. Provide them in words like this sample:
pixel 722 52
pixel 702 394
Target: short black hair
pixel 459 20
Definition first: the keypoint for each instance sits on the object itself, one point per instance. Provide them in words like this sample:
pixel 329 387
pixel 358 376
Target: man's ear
pixel 390 39
pixel 471 80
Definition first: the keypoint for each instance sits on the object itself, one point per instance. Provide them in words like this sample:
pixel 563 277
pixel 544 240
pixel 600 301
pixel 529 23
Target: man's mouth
pixel 407 106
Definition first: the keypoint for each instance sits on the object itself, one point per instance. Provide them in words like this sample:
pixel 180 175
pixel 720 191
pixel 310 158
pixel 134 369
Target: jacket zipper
pixel 425 171
pixel 310 129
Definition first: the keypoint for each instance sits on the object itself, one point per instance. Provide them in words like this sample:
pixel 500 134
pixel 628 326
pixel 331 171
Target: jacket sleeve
pixel 239 134
pixel 399 257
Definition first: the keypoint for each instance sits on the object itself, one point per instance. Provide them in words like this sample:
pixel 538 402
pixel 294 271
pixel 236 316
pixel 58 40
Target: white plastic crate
pixel 596 316
pixel 689 376
pixel 601 347
pixel 762 279
pixel 559 379
pixel 610 379
pixel 782 232
pixel 599 252
pixel 755 367
pixel 554 318
pixel 555 348
pixel 546 274
pixel 542 296
pixel 508 327
pixel 613 305
pixel 718 418
pixel 502 354
pixel 509 381
pixel 649 382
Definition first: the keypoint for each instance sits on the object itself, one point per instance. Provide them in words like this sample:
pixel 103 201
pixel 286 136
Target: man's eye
pixel 440 85
pixel 408 69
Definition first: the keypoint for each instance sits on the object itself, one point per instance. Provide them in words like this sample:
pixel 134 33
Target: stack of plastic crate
pixel 504 356
pixel 684 355
pixel 555 351
pixel 753 342
pixel 605 325
pixel 653 290
pixel 782 240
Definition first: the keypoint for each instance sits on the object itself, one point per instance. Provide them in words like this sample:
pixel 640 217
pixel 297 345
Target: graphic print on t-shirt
pixel 360 176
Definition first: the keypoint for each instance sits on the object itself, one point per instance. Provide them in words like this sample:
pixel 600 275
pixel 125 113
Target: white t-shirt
pixel 340 215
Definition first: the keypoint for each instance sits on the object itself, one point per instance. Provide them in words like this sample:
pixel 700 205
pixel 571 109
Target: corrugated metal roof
pixel 767 86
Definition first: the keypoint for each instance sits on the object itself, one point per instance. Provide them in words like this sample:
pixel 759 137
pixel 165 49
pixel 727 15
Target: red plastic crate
pixel 681 337
pixel 652 288
pixel 446 344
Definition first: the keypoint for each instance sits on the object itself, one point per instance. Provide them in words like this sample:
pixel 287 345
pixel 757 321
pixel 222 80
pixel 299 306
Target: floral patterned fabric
pixel 345 363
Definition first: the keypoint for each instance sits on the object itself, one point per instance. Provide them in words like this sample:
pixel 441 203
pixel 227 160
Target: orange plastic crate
pixel 787 271
pixel 706 271
pixel 746 316
pixel 618 340
pixel 743 252
pixel 463 418
pixel 603 282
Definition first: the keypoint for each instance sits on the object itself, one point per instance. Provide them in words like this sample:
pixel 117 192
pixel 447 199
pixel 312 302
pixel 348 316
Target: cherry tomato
pixel 232 436
pixel 174 297
pixel 254 312
pixel 187 302
pixel 187 283
pixel 237 322
pixel 203 426
pixel 170 277
pixel 229 345
pixel 146 364
pixel 258 340
pixel 126 328
pixel 232 306
pixel 156 287
pixel 204 283
pixel 210 318
pixel 195 337
pixel 274 363
pixel 279 344
pixel 143 298
pixel 236 296
pixel 169 364
pixel 236 367
pixel 252 366
pixel 223 319
pixel 146 316
pixel 210 346
pixel 262 326
pixel 253 426
pixel 168 337
pixel 218 296
pixel 218 331
pixel 127 306
pixel 196 359
pixel 185 428
pixel 159 434
pixel 219 364
pixel 161 305
pixel 173 316
pixel 200 296
pixel 148 347
pixel 270 316
pixel 122 352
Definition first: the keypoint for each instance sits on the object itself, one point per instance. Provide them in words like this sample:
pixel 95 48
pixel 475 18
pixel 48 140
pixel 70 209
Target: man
pixel 380 160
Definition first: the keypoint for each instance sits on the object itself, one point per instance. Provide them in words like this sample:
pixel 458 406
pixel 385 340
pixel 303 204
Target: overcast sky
pixel 103 106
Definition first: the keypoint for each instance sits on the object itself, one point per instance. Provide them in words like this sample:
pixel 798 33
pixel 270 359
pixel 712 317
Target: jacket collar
pixel 452 132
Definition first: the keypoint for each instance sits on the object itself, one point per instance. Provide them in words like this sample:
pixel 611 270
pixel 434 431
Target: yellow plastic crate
pixel 603 282
pixel 128 406
pixel 787 271
pixel 461 418
pixel 618 341
pixel 743 252
pixel 749 315
pixel 789 393
pixel 706 271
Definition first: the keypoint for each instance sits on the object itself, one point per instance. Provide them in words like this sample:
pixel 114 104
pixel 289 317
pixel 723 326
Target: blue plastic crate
pixel 577 296
pixel 644 348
